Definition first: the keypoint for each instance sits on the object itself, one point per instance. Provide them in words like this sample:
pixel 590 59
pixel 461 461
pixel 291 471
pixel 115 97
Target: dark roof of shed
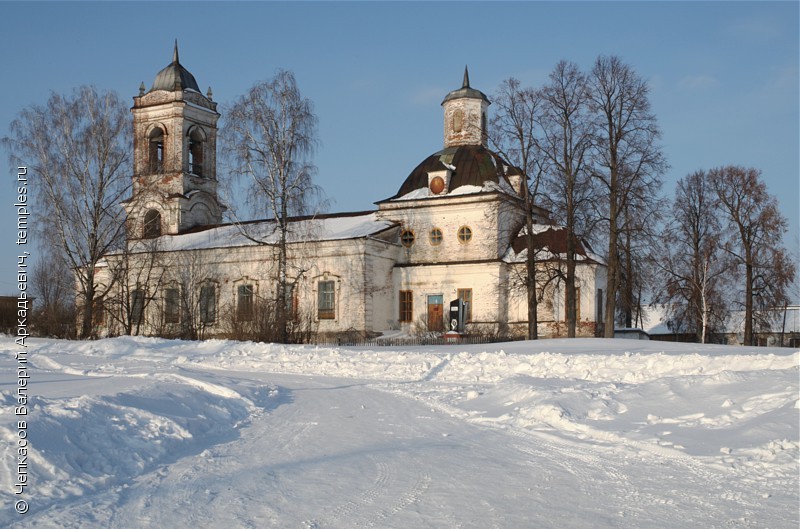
pixel 474 165
pixel 553 239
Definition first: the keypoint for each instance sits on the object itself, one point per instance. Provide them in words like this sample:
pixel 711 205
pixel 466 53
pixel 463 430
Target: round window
pixel 437 185
pixel 436 237
pixel 464 234
pixel 407 238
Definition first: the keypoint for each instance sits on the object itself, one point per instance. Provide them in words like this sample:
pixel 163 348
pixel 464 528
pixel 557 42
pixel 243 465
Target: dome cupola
pixel 465 116
pixel 175 77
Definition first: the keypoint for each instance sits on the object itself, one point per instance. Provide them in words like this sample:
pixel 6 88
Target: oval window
pixel 464 234
pixel 436 237
pixel 407 238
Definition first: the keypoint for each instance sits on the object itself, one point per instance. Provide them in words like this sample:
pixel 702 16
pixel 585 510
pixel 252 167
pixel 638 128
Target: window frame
pixel 406 306
pixel 172 306
pixel 435 236
pixel 207 312
pixel 137 306
pixel 151 226
pixel 404 238
pixel 245 301
pixel 465 295
pixel 196 149
pixel 156 150
pixel 464 234
pixel 326 299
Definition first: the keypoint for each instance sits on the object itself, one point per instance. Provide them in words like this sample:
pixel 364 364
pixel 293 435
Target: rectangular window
pixel 327 300
pixel 208 304
pixel 406 305
pixel 290 299
pixel 156 155
pixel 196 157
pixel 172 303
pixel 465 295
pixel 99 311
pixel 137 307
pixel 244 303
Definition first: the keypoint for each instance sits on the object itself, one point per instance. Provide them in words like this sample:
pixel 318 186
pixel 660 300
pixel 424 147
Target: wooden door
pixel 436 313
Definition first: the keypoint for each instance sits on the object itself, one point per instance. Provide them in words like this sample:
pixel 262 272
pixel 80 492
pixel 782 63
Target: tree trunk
pixel 627 289
pixel 613 269
pixel 530 266
pixel 748 302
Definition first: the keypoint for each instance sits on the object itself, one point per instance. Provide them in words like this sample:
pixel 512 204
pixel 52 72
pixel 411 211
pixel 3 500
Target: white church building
pixel 452 231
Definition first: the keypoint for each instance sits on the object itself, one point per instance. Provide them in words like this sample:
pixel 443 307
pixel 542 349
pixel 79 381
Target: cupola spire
pixel 175 53
pixel 465 115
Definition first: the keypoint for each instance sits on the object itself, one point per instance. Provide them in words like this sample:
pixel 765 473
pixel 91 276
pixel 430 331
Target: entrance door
pixel 436 313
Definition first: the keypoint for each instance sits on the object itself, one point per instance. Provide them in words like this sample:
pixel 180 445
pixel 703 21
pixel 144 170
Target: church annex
pixel 452 231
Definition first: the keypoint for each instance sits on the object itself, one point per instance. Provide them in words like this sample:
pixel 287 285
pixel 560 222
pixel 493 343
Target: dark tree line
pixel 594 146
pixel 588 144
pixel 724 253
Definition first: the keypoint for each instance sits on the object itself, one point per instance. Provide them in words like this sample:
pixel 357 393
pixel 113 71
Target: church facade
pixel 451 232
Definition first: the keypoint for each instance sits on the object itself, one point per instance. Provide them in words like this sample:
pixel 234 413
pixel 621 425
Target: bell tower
pixel 465 116
pixel 174 156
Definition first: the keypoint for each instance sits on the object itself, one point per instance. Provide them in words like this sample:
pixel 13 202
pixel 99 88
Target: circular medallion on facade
pixel 437 185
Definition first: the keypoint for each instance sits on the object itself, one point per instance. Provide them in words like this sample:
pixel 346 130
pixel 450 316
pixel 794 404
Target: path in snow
pixel 324 451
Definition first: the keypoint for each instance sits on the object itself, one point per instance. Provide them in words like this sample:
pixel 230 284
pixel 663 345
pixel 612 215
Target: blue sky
pixel 724 75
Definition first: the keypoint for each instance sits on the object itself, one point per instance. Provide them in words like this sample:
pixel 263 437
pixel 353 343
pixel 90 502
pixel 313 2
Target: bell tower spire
pixel 174 167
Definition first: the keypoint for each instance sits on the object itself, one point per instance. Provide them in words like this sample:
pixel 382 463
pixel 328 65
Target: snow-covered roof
pixel 487 187
pixel 340 226
pixel 472 166
pixel 550 241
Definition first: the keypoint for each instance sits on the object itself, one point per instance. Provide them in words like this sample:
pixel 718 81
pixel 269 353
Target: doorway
pixel 436 313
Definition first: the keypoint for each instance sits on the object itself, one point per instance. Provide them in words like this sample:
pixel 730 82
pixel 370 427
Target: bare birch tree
pixel 693 266
pixel 513 137
pixel 628 161
pixel 755 242
pixel 269 136
pixel 136 275
pixel 567 132
pixel 77 150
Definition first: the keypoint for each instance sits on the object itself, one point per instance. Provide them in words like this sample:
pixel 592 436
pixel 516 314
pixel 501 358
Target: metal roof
pixel 175 77
pixel 474 165
pixel 465 91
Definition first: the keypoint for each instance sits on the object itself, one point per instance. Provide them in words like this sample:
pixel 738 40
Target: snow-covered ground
pixel 138 433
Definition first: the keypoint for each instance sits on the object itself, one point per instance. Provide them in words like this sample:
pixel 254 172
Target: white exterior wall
pixel 361 268
pixel 445 280
pixel 479 212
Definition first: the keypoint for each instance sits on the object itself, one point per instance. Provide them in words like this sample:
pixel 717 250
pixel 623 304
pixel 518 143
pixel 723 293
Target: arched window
pixel 156 150
pixel 152 224
pixel 196 140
